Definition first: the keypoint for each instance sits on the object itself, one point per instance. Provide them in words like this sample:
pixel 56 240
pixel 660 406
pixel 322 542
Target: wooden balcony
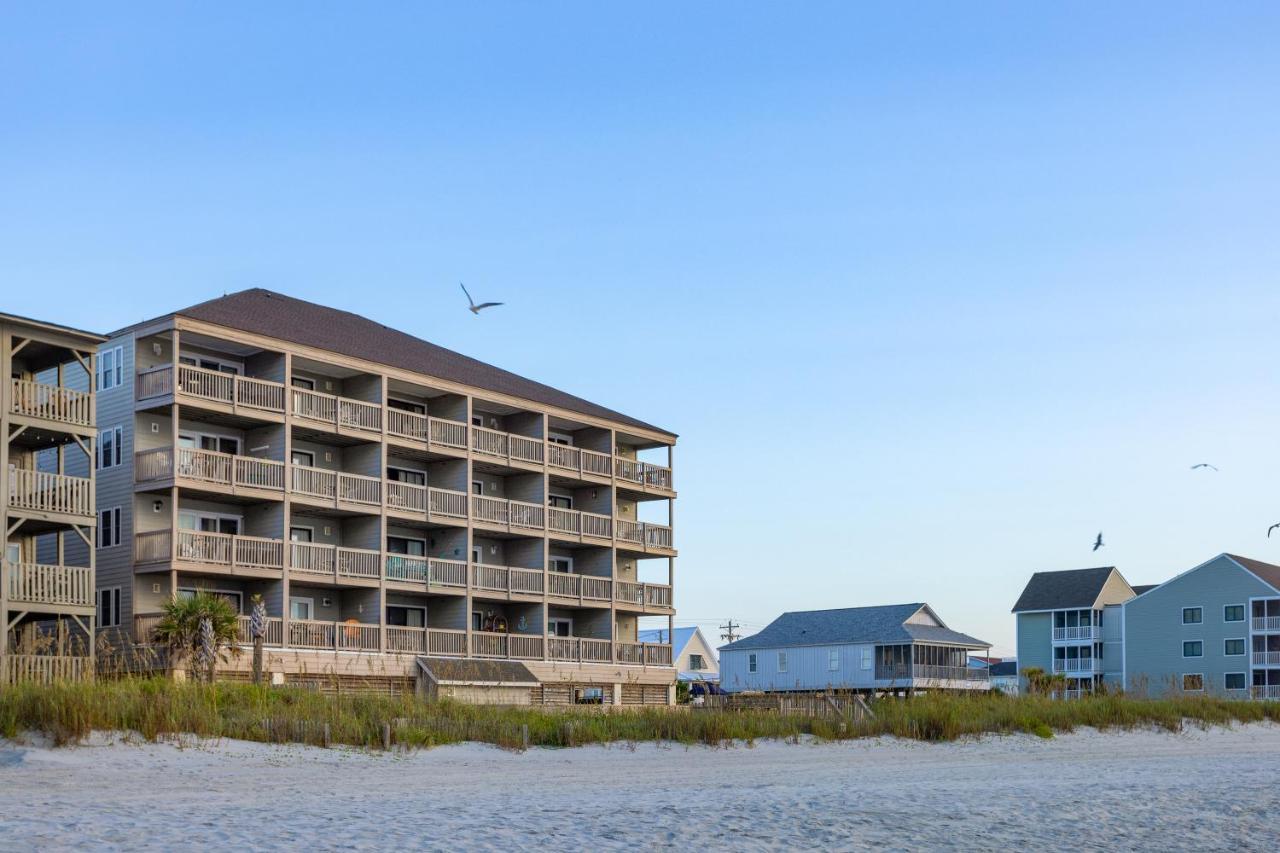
pixel 579 526
pixel 248 555
pixel 67 588
pixel 341 414
pixel 579 462
pixel 32 402
pixel 511 516
pixel 220 472
pixel 579 588
pixel 338 636
pixel 436 575
pixel 445 436
pixel 436 642
pixel 506 646
pixel 579 649
pixel 645 476
pixel 335 489
pixel 644 654
pixel 648 597
pixel 50 495
pixel 517 451
pixel 507 581
pixel 226 391
pixel 335 563
pixel 644 536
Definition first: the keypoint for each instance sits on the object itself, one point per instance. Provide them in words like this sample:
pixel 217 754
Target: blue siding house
pixel 897 647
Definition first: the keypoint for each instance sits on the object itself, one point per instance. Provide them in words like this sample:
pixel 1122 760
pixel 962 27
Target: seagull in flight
pixel 1097 543
pixel 476 309
pixel 1203 465
pixel 1271 528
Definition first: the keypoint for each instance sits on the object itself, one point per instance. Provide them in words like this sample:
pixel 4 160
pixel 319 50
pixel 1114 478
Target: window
pixel 230 596
pixel 407 546
pixel 406 406
pixel 109 527
pixel 406 617
pixel 866 658
pixel 588 695
pixel 477 487
pixel 559 627
pixel 560 501
pixel 305 458
pixel 300 608
pixel 13 552
pixel 477 620
pixel 109 607
pixel 1233 681
pixel 833 660
pixel 109 448
pixel 696 664
pixel 110 368
pixel 560 438
pixel 561 564
pixel 406 475
pixel 206 362
pixel 1192 615
pixel 782 661
pixel 301 534
pixel 1193 681
pixel 751 663
pixel 1233 647
pixel 1233 613
pixel 303 383
pixel 1193 649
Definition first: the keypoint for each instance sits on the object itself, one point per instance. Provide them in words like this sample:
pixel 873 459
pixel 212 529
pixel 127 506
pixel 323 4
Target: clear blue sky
pixel 931 295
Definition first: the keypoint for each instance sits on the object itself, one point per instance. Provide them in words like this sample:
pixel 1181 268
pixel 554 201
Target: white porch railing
pixel 40 492
pixel 31 583
pixel 51 403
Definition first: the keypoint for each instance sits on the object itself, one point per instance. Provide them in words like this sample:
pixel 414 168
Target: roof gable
pixel 1073 588
pixel 1265 572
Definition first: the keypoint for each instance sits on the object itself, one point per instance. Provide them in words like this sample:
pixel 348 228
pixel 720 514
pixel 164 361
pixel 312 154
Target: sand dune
pixel 1215 789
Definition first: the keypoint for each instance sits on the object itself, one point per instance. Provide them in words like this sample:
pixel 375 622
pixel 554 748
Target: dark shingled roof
pixel 1268 573
pixel 455 671
pixel 884 624
pixel 1056 590
pixel 1144 587
pixel 274 315
pixel 1005 667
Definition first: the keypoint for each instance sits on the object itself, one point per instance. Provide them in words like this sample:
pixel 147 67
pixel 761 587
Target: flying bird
pixel 1203 465
pixel 1097 543
pixel 476 309
pixel 1271 528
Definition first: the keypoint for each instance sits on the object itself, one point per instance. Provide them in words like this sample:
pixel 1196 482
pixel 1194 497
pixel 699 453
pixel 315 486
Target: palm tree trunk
pixel 257 660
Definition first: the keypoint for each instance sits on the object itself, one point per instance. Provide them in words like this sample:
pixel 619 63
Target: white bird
pixel 476 309
pixel 1098 542
pixel 1203 465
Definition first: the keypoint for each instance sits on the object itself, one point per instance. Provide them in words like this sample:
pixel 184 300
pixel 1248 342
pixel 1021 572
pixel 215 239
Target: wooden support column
pixel 288 500
pixel 6 405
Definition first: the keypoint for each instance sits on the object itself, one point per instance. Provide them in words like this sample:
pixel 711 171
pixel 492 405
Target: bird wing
pixel 1271 528
pixel 483 305
pixel 464 290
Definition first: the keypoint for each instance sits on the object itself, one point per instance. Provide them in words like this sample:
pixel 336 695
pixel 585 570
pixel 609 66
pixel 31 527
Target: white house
pixel 694 658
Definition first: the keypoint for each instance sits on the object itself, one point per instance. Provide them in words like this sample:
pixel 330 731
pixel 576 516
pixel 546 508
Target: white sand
pixel 1216 789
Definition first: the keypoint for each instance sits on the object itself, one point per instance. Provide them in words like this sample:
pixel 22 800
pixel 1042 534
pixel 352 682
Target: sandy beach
pixel 1214 789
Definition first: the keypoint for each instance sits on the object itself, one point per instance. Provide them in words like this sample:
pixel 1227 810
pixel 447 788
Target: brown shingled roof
pixel 274 315
pixel 1265 571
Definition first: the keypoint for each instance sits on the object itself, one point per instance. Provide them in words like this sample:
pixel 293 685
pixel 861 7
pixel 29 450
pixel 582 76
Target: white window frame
pixel 11 549
pixel 423 542
pixel 751 663
pixel 423 610
pixel 1244 647
pixel 199 514
pixel 302 383
pixel 1193 607
pixel 116 434
pixel 782 661
pixel 407 470
pixel 225 593
pixel 310 454
pixel 477 620
pixel 193 360
pixel 479 483
pixel 111 376
pixel 303 599
pixel 108 614
pixel 406 402
pixel 833 660
pixel 194 437
pixel 311 532
pixel 554 559
pixel 868 658
pixel 560 438
pixel 1185 643
pixel 559 620
pixel 1243 675
pixel 109 521
pixel 699 660
pixel 1244 610
pixel 552 496
pixel 477 554
pixel 1187 675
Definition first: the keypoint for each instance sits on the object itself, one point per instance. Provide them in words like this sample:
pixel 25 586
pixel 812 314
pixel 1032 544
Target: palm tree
pixel 1036 678
pixel 202 627
pixel 258 631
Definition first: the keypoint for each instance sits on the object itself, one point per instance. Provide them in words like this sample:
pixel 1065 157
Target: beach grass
pixel 158 708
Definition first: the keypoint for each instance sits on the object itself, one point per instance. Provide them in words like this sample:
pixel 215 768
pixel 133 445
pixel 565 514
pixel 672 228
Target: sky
pixel 931 293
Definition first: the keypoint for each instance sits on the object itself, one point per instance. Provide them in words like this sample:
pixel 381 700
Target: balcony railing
pixel 588 587
pixel 507 579
pixel 15 669
pixel 645 534
pixel 1265 691
pixel 213 386
pixel 336 487
pixel 428 641
pixel 644 474
pixel 339 412
pixel 1266 623
pixel 513 515
pixel 1078 632
pixel 510 646
pixel 224 549
pixel 1264 658
pixel 334 561
pixel 903 672
pixel 506 446
pixel 576 523
pixel 41 492
pixel 1086 665
pixel 581 649
pixel 274 634
pixel 644 654
pixel 208 466
pixel 642 594
pixel 51 403
pixel 339 636
pixel 428 571
pixel 31 583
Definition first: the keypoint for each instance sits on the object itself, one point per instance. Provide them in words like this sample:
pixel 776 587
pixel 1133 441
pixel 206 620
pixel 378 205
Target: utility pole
pixel 729 634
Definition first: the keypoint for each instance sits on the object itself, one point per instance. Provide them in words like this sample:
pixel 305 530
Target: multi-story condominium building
pixel 46 499
pixel 1212 629
pixel 1070 623
pixel 896 648
pixel 406 512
